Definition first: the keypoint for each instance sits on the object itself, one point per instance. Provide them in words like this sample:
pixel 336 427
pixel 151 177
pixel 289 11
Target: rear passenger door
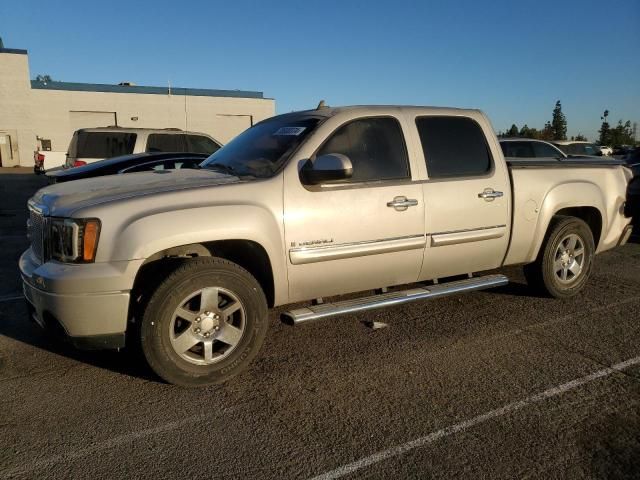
pixel 467 197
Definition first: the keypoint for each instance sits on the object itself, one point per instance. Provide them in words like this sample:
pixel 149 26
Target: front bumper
pixel 70 305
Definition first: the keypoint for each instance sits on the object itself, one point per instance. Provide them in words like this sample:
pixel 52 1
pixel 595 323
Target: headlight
pixel 74 240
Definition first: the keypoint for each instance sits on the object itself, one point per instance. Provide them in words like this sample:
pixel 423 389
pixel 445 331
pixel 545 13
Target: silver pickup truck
pixel 302 207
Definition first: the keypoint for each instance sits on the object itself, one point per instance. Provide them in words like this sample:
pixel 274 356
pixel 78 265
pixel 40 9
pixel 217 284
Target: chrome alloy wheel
pixel 569 259
pixel 207 325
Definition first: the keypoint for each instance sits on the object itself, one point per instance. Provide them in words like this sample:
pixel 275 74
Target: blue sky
pixel 512 59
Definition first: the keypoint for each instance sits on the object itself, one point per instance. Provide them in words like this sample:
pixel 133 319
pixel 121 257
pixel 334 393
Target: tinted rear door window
pixel 165 142
pixel 102 144
pixel 200 144
pixel 517 149
pixel 375 147
pixel 453 147
pixel 544 150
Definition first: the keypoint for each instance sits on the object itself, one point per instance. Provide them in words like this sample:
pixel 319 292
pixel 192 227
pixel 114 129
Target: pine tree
pixel 547 132
pixel 513 131
pixel 559 123
pixel 605 130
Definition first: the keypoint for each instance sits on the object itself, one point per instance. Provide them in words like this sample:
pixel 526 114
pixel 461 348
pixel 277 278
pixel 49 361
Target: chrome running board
pixel 325 310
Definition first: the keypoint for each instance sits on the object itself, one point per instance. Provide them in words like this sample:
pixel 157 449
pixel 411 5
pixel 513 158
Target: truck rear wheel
pixel 205 323
pixel 565 260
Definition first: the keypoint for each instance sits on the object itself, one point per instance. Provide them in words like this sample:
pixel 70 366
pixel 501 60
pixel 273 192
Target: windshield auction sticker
pixel 295 131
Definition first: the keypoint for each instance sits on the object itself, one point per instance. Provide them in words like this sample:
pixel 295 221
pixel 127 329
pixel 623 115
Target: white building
pixel 36 114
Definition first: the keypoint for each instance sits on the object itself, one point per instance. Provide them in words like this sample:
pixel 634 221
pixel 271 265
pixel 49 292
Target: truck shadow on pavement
pixel 129 362
pixel 516 289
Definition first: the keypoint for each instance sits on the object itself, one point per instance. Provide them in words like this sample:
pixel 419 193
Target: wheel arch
pixel 248 254
pixel 582 200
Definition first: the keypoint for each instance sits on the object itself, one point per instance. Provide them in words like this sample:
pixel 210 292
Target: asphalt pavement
pixel 493 384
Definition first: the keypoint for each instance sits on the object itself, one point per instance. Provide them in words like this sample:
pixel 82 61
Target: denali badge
pixel 313 242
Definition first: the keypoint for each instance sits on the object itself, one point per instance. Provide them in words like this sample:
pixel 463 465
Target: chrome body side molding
pixel 324 310
pixel 304 255
pixel 466 236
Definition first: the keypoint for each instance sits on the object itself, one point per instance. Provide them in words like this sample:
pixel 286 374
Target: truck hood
pixel 64 198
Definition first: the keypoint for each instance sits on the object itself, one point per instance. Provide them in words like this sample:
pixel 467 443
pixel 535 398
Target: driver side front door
pixel 363 233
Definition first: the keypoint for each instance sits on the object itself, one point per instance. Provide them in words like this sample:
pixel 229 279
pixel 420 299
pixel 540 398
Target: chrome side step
pixel 325 310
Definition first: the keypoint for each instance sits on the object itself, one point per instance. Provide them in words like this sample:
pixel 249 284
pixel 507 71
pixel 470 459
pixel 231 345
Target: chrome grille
pixel 36 228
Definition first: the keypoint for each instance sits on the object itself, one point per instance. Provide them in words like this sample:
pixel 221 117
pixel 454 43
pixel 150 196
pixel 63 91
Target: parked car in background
pixel 530 148
pixel 607 151
pixel 45 160
pixel 137 162
pixel 633 196
pixel 573 148
pixel 632 157
pixel 622 150
pixel 301 207
pixel 89 145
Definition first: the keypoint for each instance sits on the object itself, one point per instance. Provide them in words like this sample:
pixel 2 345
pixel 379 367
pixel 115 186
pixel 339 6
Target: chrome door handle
pixel 490 194
pixel 402 203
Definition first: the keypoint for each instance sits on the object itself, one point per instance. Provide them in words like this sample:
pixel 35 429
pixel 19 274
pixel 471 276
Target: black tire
pixel 159 321
pixel 542 276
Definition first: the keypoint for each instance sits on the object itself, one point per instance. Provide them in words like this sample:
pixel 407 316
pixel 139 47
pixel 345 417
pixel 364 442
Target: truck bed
pixel 542 188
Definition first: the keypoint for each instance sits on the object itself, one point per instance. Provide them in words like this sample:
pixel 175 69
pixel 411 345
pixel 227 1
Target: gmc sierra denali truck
pixel 301 207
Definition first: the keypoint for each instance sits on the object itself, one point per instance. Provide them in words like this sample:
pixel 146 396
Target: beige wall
pixel 15 108
pixel 46 113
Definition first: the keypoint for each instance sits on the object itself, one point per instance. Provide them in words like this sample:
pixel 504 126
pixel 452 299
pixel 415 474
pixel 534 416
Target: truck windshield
pixel 261 150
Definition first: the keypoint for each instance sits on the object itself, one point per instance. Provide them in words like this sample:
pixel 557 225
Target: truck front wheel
pixel 565 260
pixel 205 323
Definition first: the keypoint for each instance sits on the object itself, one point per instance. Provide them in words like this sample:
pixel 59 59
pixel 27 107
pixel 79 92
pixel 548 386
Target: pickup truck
pixel 302 207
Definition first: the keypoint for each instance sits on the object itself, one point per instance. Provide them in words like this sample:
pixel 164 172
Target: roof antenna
pixel 321 105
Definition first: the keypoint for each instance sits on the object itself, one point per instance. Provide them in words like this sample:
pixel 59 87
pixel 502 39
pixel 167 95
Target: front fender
pixel 144 236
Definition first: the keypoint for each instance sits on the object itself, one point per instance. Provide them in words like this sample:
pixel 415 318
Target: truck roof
pixel 377 109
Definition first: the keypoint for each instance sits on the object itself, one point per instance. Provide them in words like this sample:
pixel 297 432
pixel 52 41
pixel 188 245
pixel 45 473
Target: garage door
pixel 78 119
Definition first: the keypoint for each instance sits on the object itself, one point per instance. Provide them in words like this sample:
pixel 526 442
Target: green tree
pixel 513 131
pixel 605 130
pixel 547 132
pixel 622 134
pixel 43 78
pixel 527 132
pixel 579 138
pixel 558 123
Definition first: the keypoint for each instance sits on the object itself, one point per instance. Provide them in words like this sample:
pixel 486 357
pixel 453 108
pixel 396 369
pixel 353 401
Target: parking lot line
pixel 472 422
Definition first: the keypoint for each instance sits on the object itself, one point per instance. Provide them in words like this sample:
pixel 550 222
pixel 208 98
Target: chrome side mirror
pixel 326 168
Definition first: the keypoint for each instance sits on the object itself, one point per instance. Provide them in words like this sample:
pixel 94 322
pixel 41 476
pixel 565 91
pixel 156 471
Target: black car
pixel 633 196
pixel 139 162
pixel 632 157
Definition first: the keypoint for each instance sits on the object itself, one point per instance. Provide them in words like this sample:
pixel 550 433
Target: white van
pixel 92 144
